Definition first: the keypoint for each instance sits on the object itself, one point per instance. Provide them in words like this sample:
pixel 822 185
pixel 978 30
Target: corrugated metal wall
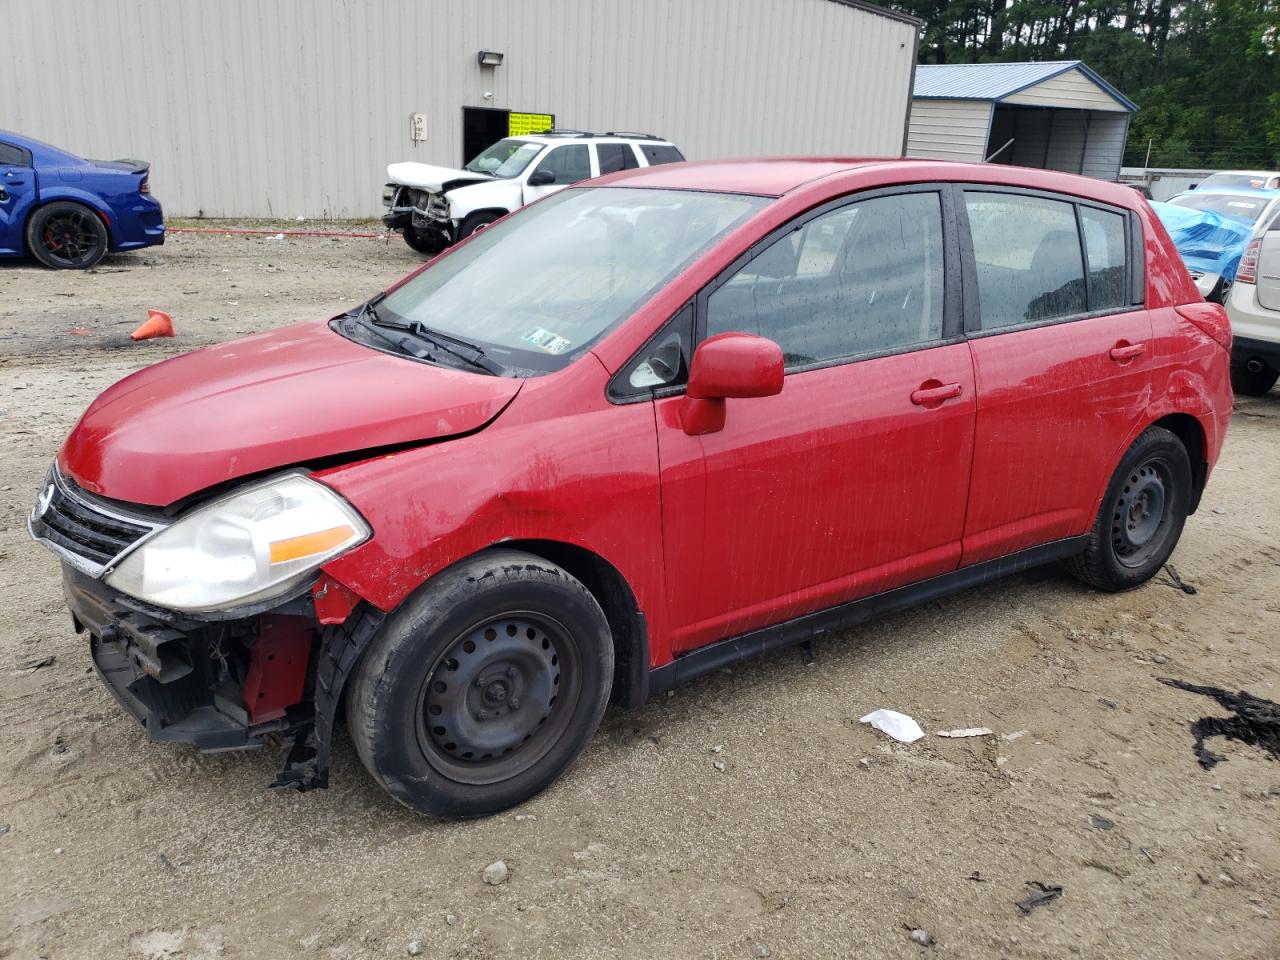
pixel 294 107
pixel 949 129
pixel 1055 139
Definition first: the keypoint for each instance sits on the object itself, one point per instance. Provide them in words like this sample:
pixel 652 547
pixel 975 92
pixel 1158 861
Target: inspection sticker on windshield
pixel 547 341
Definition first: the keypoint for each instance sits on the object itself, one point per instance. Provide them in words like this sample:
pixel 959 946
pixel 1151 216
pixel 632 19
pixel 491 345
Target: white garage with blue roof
pixel 1059 115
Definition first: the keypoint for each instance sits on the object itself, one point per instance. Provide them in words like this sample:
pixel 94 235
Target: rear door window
pixel 1027 256
pixel 863 279
pixel 658 153
pixel 1104 246
pixel 615 156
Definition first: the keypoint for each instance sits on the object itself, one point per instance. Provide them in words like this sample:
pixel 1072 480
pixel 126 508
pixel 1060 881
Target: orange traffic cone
pixel 159 324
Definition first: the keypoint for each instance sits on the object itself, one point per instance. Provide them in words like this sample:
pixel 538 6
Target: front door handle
pixel 932 392
pixel 1123 352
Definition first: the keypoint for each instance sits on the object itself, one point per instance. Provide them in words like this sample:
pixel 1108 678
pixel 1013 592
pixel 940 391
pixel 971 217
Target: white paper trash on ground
pixel 897 725
pixel 967 732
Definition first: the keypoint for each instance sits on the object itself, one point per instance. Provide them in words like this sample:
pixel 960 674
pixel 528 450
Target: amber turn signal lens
pixel 309 544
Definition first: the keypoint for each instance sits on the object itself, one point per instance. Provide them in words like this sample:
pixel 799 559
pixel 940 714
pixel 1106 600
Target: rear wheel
pixel 1253 383
pixel 1142 514
pixel 483 687
pixel 66 236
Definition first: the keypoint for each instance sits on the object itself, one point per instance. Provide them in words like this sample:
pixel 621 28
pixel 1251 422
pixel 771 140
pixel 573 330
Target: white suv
pixel 437 206
pixel 1254 309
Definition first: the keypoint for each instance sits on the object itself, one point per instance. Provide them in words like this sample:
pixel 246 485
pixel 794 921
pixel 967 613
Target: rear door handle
pixel 1123 352
pixel 933 393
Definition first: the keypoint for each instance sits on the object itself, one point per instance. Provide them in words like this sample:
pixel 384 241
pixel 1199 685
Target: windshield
pixel 537 289
pixel 505 159
pixel 1237 206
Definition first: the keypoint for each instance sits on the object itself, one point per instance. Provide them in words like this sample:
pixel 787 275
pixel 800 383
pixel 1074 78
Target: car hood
pixel 436 179
pixel 264 402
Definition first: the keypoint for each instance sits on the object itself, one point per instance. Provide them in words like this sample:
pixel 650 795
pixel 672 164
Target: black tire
pixel 477 221
pixel 1141 516
pixel 482 687
pixel 1253 383
pixel 66 236
pixel 428 243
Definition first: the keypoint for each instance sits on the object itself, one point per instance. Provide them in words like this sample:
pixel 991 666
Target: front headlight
pixel 256 544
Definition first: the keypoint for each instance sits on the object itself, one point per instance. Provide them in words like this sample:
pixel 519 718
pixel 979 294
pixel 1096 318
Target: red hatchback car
pixel 636 431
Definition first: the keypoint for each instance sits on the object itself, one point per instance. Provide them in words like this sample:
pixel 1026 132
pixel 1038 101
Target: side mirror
pixel 541 178
pixel 728 365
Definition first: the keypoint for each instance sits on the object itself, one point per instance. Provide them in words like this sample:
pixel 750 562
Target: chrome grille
pixel 87 534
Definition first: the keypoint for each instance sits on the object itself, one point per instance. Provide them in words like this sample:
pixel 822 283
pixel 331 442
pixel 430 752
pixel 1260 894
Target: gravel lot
pixel 819 838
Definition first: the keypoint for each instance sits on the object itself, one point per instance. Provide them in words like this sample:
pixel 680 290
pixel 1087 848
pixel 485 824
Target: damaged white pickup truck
pixel 437 206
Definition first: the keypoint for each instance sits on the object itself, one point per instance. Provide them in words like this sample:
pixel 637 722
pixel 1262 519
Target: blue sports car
pixel 67 211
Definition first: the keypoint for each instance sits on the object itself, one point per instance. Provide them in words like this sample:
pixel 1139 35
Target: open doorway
pixel 482 127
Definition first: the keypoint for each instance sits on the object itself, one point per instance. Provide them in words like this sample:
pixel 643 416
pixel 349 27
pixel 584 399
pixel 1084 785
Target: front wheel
pixel 423 241
pixel 483 686
pixel 66 236
pixel 1142 514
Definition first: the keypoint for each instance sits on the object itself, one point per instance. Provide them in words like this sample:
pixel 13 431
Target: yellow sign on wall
pixel 519 124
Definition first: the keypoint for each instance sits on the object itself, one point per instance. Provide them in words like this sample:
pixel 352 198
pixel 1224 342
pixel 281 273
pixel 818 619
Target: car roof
pixel 776 176
pixel 42 152
pixel 591 138
pixel 1244 173
pixel 767 177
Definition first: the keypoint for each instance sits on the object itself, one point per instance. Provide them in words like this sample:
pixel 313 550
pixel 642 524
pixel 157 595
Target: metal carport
pixel 1058 115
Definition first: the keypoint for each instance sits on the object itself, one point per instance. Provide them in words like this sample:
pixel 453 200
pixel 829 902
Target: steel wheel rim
pixel 71 237
pixel 498 698
pixel 1140 517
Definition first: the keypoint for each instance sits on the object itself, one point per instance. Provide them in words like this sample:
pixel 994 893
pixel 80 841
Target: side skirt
pixel 722 653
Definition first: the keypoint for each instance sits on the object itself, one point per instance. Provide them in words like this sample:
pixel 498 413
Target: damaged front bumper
pixel 218 686
pixel 421 210
pixel 271 678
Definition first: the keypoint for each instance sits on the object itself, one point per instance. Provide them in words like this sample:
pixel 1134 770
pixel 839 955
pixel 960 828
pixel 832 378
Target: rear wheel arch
pixel 1190 431
pixel 103 215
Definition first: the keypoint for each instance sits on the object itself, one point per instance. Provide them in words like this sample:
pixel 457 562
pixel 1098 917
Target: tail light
pixel 144 186
pixel 1247 272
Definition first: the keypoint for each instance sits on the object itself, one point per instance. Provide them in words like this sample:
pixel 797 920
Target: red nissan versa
pixel 636 431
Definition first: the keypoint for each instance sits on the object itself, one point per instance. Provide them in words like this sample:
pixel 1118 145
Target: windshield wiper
pixel 462 349
pixel 417 334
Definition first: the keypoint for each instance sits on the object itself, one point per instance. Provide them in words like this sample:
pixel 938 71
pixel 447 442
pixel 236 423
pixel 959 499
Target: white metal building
pixel 1057 115
pixel 295 107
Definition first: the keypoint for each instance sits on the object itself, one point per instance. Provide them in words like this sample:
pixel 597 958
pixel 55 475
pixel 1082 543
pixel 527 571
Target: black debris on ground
pixel 1101 823
pixel 1256 721
pixel 32 665
pixel 1045 894
pixel 1178 582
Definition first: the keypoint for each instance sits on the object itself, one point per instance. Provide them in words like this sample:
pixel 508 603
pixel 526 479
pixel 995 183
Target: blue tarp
pixel 1208 241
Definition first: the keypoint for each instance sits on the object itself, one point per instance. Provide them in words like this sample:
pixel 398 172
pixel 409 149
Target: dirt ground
pixel 819 838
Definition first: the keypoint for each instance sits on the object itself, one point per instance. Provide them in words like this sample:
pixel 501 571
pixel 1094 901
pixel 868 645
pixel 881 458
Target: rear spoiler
pixel 128 166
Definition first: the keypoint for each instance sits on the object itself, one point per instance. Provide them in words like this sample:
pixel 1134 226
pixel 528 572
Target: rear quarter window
pixel 14 156
pixel 1104 245
pixel 659 153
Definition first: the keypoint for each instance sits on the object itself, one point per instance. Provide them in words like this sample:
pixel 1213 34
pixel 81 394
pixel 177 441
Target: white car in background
pixel 1254 309
pixel 1245 179
pixel 437 206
